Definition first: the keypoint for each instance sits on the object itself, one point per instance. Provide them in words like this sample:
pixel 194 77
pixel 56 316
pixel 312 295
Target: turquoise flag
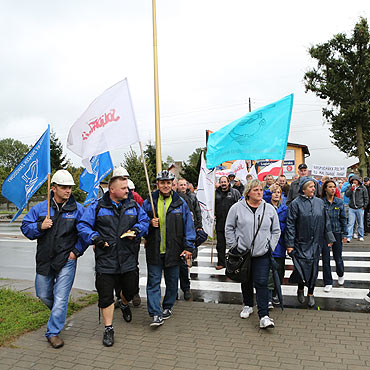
pixel 260 134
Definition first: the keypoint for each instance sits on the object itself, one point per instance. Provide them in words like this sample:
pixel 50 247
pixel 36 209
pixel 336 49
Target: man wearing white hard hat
pixel 58 248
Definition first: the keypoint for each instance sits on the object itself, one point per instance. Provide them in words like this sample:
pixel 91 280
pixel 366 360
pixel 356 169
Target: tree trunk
pixel 361 150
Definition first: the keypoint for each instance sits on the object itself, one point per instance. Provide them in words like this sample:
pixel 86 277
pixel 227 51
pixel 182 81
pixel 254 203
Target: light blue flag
pixel 260 134
pixel 89 182
pixel 29 175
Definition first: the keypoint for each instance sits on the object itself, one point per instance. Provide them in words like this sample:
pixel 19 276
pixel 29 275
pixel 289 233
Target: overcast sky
pixel 57 56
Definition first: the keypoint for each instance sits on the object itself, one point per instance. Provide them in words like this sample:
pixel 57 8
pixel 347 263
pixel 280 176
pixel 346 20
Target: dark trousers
pixel 184 277
pixel 337 254
pixel 260 277
pixel 221 248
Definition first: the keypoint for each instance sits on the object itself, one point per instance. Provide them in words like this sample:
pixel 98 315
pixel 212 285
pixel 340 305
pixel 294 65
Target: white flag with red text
pixel 240 170
pixel 108 123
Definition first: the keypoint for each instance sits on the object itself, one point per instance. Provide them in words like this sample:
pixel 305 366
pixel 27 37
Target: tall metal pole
pixel 158 155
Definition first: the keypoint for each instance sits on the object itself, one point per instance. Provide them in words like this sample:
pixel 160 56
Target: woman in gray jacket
pixel 243 220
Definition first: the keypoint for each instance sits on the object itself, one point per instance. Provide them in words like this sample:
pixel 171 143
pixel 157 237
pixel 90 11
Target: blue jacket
pixel 282 213
pixel 337 215
pixel 180 232
pixel 55 244
pixel 104 219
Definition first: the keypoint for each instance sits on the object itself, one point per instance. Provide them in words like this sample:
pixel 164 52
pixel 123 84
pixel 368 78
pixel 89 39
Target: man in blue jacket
pixel 171 236
pixel 113 224
pixel 58 247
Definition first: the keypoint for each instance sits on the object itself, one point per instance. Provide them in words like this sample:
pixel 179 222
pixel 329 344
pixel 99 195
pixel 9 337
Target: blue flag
pixel 260 134
pixel 29 175
pixel 89 182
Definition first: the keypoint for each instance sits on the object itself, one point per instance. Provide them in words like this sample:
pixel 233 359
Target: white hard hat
pixel 62 177
pixel 131 185
pixel 120 171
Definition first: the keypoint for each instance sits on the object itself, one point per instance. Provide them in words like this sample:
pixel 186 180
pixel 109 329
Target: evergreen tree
pixel 11 153
pixel 58 161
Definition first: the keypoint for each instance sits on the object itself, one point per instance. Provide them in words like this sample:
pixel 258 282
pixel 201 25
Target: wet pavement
pixel 206 333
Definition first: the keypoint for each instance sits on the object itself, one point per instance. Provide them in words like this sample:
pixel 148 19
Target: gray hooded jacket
pixel 242 224
pixel 358 198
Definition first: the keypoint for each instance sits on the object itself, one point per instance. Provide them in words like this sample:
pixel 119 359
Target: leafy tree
pixel 191 169
pixel 11 153
pixel 149 153
pixel 58 161
pixel 342 78
pixel 134 166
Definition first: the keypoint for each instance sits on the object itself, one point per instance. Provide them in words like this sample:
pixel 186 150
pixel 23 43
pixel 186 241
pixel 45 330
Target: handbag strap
pixel 258 228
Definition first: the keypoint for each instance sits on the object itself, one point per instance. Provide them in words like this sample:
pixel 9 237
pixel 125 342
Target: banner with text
pixel 332 171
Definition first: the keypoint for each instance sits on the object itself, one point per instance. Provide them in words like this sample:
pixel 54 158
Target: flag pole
pixel 48 214
pixel 214 209
pixel 281 168
pixel 158 154
pixel 147 179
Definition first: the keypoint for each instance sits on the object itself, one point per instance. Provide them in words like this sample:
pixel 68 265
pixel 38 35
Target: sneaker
pixel 361 239
pixel 367 297
pixel 157 321
pixel 275 300
pixel 355 236
pixel 187 295
pixel 348 240
pixel 341 280
pixel 55 341
pixel 108 337
pixel 246 312
pixel 136 300
pixel 270 306
pixel 266 322
pixel 126 312
pixel 310 301
pixel 328 288
pixel 300 296
pixel 166 314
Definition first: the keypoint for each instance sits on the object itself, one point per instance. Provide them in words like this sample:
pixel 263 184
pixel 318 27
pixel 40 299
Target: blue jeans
pixel 260 277
pixel 53 290
pixel 153 287
pixel 353 215
pixel 337 254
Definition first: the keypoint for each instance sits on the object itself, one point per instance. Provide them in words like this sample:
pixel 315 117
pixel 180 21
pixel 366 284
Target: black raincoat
pixel 307 229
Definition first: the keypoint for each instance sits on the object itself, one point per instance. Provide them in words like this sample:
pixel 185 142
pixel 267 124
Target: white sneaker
pixel 355 236
pixel 266 322
pixel 361 239
pixel 328 288
pixel 246 312
pixel 341 280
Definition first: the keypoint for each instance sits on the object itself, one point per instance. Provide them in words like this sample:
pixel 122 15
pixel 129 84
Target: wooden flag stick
pixel 147 179
pixel 281 168
pixel 48 214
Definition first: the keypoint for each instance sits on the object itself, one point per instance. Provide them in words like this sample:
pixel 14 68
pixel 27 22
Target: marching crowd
pixel 271 218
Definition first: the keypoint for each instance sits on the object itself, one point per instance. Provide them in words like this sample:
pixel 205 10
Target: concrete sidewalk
pixel 201 336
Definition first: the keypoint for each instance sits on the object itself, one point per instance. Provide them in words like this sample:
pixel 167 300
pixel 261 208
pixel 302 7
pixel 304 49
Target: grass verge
pixel 21 313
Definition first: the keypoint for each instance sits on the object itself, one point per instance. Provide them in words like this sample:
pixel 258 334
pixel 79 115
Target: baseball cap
pixel 302 166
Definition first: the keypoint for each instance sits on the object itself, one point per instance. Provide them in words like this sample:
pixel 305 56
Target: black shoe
pixel 157 321
pixel 275 300
pixel 300 296
pixel 136 301
pixel 108 337
pixel 166 314
pixel 187 295
pixel 367 298
pixel 311 301
pixel 126 312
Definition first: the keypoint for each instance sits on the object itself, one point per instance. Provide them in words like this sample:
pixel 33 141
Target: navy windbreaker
pixel 180 233
pixel 55 244
pixel 104 219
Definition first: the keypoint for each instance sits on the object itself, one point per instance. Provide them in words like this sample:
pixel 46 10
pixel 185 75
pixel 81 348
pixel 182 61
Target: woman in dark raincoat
pixel 307 228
